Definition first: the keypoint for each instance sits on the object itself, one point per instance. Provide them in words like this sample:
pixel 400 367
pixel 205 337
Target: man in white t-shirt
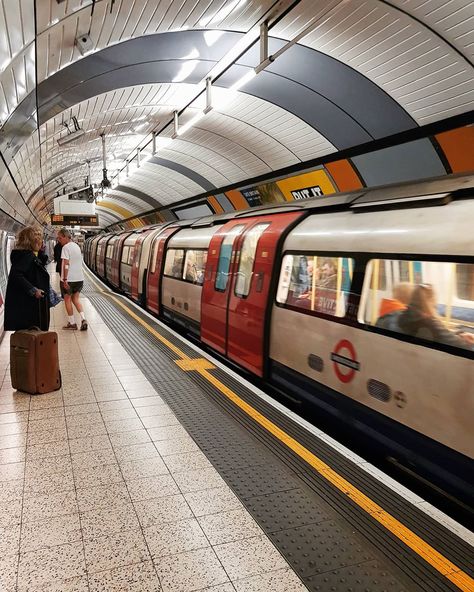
pixel 72 279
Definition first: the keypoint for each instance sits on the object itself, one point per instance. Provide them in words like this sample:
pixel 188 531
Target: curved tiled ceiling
pixel 367 69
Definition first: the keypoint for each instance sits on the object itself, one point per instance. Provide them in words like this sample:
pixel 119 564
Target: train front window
pixel 174 263
pixel 225 255
pixel 194 266
pixel 316 283
pixel 429 300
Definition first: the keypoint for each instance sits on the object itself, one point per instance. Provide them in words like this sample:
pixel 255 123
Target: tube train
pixel 294 294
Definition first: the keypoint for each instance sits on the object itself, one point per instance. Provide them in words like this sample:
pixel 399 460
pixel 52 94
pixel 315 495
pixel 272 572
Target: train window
pixel 154 254
pixel 225 256
pixel 174 263
pixel 110 249
pixel 247 259
pixel 194 266
pixel 316 283
pixel 424 299
pixel 125 254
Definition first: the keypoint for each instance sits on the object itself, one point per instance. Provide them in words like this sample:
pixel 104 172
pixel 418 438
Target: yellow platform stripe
pixel 443 565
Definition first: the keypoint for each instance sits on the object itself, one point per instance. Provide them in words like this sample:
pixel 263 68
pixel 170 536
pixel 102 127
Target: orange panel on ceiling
pixel 215 205
pixel 458 147
pixel 237 199
pixel 344 175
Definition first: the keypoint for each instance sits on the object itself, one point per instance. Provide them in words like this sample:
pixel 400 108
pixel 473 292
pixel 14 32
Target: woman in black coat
pixel 27 296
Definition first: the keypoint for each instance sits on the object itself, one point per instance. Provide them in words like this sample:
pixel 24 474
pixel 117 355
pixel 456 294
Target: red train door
pixel 137 252
pixel 153 288
pixel 236 294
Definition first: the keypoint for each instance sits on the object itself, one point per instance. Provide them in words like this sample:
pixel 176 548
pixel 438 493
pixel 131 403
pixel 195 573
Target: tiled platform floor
pixel 96 493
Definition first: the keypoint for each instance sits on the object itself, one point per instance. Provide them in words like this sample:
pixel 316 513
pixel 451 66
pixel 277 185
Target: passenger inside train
pixel 421 319
pixel 392 308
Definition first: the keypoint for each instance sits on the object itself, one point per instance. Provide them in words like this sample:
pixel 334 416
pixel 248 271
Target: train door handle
pixel 260 278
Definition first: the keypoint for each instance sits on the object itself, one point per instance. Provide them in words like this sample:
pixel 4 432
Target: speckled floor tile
pixel 249 557
pixel 43 507
pixel 68 585
pixel 84 419
pixel 140 577
pixel 106 395
pixel 170 432
pixel 49 484
pixel 159 420
pixel 49 423
pixel 190 481
pixel 86 431
pixel 10 512
pixel 141 468
pixel 9 429
pixel 192 570
pixel 177 446
pixel 8 573
pixel 9 540
pixel 118 550
pixel 90 443
pixel 51 565
pixel 161 510
pixel 226 527
pixel 14 441
pixel 130 438
pixel 175 537
pixel 97 523
pixel 282 580
pixel 43 467
pixel 46 436
pixel 102 497
pixel 50 449
pixel 154 404
pixel 98 475
pixel 119 414
pixel 152 487
pixel 118 426
pixel 12 471
pixel 114 405
pixel 211 501
pixel 93 458
pixel 38 414
pixel 50 533
pixel 188 461
pixel 45 401
pixel 136 452
pixel 13 417
pixel 81 409
pixel 13 455
pixel 10 490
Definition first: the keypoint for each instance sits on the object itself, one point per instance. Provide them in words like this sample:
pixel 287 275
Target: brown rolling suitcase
pixel 34 361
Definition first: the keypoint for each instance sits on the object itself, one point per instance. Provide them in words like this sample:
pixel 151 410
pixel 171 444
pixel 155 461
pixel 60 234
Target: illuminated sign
pixel 307 192
pixel 69 220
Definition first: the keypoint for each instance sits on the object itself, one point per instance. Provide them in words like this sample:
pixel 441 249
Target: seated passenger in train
pixel 391 308
pixel 420 319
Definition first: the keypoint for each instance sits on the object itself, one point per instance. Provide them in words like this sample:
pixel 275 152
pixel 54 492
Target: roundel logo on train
pixel 344 356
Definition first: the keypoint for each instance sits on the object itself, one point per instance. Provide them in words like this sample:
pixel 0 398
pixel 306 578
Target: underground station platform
pixel 157 468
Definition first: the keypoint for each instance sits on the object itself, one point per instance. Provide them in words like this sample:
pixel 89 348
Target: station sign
pixel 71 220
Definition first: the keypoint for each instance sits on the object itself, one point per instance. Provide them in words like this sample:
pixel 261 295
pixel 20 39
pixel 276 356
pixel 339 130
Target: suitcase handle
pixel 34 328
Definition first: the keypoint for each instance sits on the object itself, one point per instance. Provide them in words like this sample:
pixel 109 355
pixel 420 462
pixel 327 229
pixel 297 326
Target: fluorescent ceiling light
pixel 192 55
pixel 212 37
pixel 186 70
pixel 244 80
pixel 70 137
pixel 184 128
pixel 141 126
pixel 221 14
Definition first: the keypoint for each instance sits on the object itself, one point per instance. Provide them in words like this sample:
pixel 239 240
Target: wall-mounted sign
pixel 68 220
pixel 252 195
pixel 307 192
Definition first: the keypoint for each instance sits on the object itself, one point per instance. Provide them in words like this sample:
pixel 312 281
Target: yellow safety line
pixel 443 565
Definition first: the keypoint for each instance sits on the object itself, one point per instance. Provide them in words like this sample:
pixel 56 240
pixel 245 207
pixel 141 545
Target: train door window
pixel 174 263
pixel 194 266
pixel 316 283
pixel 110 249
pixel 423 299
pixel 247 259
pixel 125 253
pixel 154 254
pixel 225 255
